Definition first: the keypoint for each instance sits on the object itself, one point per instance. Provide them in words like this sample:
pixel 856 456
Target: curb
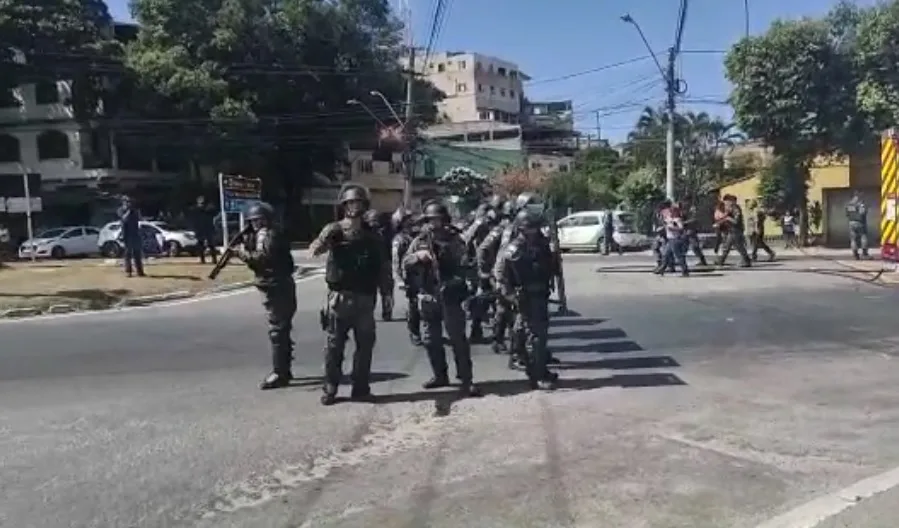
pixel 146 300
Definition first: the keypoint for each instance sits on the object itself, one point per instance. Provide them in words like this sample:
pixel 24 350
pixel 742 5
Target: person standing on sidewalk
pixel 202 222
pixel 133 255
pixel 857 214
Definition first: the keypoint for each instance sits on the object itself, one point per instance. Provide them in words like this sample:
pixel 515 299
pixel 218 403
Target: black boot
pixel 275 381
pixel 469 390
pixel 362 393
pixel 329 394
pixel 437 382
pixel 477 334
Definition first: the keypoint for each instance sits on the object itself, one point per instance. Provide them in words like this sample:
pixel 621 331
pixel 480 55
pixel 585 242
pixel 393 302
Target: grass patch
pixel 95 284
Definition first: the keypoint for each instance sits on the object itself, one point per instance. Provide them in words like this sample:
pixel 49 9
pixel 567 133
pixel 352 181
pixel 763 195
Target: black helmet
pixel 400 216
pixel 260 210
pixel 507 209
pixel 528 219
pixel 436 210
pixel 495 202
pixel 527 198
pixel 354 192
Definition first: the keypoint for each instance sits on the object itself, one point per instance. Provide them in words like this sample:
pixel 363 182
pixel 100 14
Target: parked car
pixel 583 230
pixel 157 237
pixel 61 242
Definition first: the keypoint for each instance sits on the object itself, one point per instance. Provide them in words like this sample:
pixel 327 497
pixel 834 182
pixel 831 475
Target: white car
pixel 171 241
pixel 583 230
pixel 61 242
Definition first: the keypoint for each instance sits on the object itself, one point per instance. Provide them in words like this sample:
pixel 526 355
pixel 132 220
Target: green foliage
pixel 876 56
pixel 782 186
pixel 642 195
pixel 469 186
pixel 816 216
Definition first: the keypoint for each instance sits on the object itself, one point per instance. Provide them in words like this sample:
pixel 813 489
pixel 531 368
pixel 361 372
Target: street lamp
pixel 671 89
pixel 389 106
pixel 356 102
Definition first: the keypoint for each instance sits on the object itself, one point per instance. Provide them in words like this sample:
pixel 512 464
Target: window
pixel 512 93
pixel 73 233
pixel 505 134
pixel 441 67
pixel 480 87
pixel 536 165
pixel 490 69
pixel 461 87
pixel 484 115
pixel 501 72
pixel 51 233
pixel 90 231
pixel 365 166
pixel 563 168
pixel 46 92
pixel 513 74
pixel 430 167
pixel 395 167
pixel 10 151
pixel 478 66
pixel 589 221
pixel 571 221
pixel 462 65
pixel 52 144
pixel 492 90
pixel 502 92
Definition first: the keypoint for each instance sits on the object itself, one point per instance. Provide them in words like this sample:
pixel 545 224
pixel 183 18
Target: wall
pixel 549 164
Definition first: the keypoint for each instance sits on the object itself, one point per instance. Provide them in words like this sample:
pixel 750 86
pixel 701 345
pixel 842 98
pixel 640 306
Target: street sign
pixel 238 193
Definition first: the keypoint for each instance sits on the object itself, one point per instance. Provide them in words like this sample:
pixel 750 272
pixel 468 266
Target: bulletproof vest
pixel 354 263
pixel 279 262
pixel 533 264
pixel 855 213
pixel 508 234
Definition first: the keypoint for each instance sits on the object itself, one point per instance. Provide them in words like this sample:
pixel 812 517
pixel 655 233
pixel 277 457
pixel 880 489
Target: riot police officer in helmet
pixel 355 270
pixel 267 254
pixel 403 227
pixel 436 260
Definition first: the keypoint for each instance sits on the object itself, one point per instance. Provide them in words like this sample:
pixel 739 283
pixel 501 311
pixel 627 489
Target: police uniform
pixel 399 246
pixel 354 272
pixel 440 281
pixel 857 214
pixel 478 307
pixel 267 254
pixel 524 272
pixel 487 252
pixel 732 227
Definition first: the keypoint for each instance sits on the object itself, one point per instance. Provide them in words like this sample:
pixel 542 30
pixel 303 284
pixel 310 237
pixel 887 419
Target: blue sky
pixel 549 40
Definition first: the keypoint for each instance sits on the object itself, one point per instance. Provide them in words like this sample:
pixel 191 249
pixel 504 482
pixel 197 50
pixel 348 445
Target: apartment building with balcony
pixel 478 87
pixel 77 164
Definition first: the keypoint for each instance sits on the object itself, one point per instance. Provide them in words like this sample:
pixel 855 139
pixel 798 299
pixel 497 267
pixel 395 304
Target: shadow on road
pixel 376 377
pixel 608 347
pixel 595 333
pixel 647 362
pixel 554 322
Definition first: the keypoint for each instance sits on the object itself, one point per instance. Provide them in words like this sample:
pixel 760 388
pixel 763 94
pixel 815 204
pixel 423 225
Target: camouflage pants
pixel 385 290
pixel 435 316
pixel 280 303
pixel 734 240
pixel 345 312
pixel 858 239
pixel 530 334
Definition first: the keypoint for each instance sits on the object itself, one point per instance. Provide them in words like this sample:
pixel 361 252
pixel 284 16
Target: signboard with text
pixel 238 193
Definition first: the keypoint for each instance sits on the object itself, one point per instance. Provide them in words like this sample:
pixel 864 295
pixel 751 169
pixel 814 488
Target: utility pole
pixel 598 128
pixel 671 89
pixel 409 133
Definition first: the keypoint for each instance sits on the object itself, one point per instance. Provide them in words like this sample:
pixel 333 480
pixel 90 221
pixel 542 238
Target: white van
pixel 584 231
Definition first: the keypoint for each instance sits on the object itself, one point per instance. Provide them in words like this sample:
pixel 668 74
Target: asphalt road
pixel 721 400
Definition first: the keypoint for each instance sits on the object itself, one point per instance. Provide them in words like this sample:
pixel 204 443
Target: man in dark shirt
pixel 202 216
pixel 129 216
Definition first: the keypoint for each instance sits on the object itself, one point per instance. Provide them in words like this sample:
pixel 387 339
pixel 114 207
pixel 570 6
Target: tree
pixel 642 195
pixel 793 89
pixel 781 188
pixel 873 39
pixel 261 86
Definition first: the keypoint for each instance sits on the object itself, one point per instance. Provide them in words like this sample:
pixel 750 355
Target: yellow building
pixel 831 184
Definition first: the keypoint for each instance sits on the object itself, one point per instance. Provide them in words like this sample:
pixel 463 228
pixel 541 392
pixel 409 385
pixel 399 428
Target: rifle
pixel 229 252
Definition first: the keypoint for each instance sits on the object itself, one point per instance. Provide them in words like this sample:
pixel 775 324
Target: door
pixel 566 227
pixel 91 237
pixel 71 241
pixel 587 231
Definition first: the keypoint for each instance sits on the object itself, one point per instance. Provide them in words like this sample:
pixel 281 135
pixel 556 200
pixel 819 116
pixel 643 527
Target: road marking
pixel 165 304
pixel 813 513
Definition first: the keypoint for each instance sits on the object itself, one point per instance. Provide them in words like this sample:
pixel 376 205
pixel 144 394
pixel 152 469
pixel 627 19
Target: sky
pixel 560 44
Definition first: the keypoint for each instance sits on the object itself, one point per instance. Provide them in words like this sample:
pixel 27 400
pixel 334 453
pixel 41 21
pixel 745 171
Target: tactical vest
pixel 854 213
pixel 280 263
pixel 533 265
pixel 355 264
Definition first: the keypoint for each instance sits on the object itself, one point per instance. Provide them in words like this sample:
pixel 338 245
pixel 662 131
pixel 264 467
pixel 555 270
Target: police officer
pixel 524 272
pixel 267 254
pixel 857 214
pixel 354 272
pixel 755 231
pixel 487 253
pixel 403 229
pixel 691 233
pixel 436 260
pixel 534 203
pixel 377 223
pixel 732 227
pixel 480 287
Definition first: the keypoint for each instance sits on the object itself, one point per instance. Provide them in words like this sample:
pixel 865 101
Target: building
pixel 831 184
pixel 75 164
pixel 477 87
pixel 548 135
